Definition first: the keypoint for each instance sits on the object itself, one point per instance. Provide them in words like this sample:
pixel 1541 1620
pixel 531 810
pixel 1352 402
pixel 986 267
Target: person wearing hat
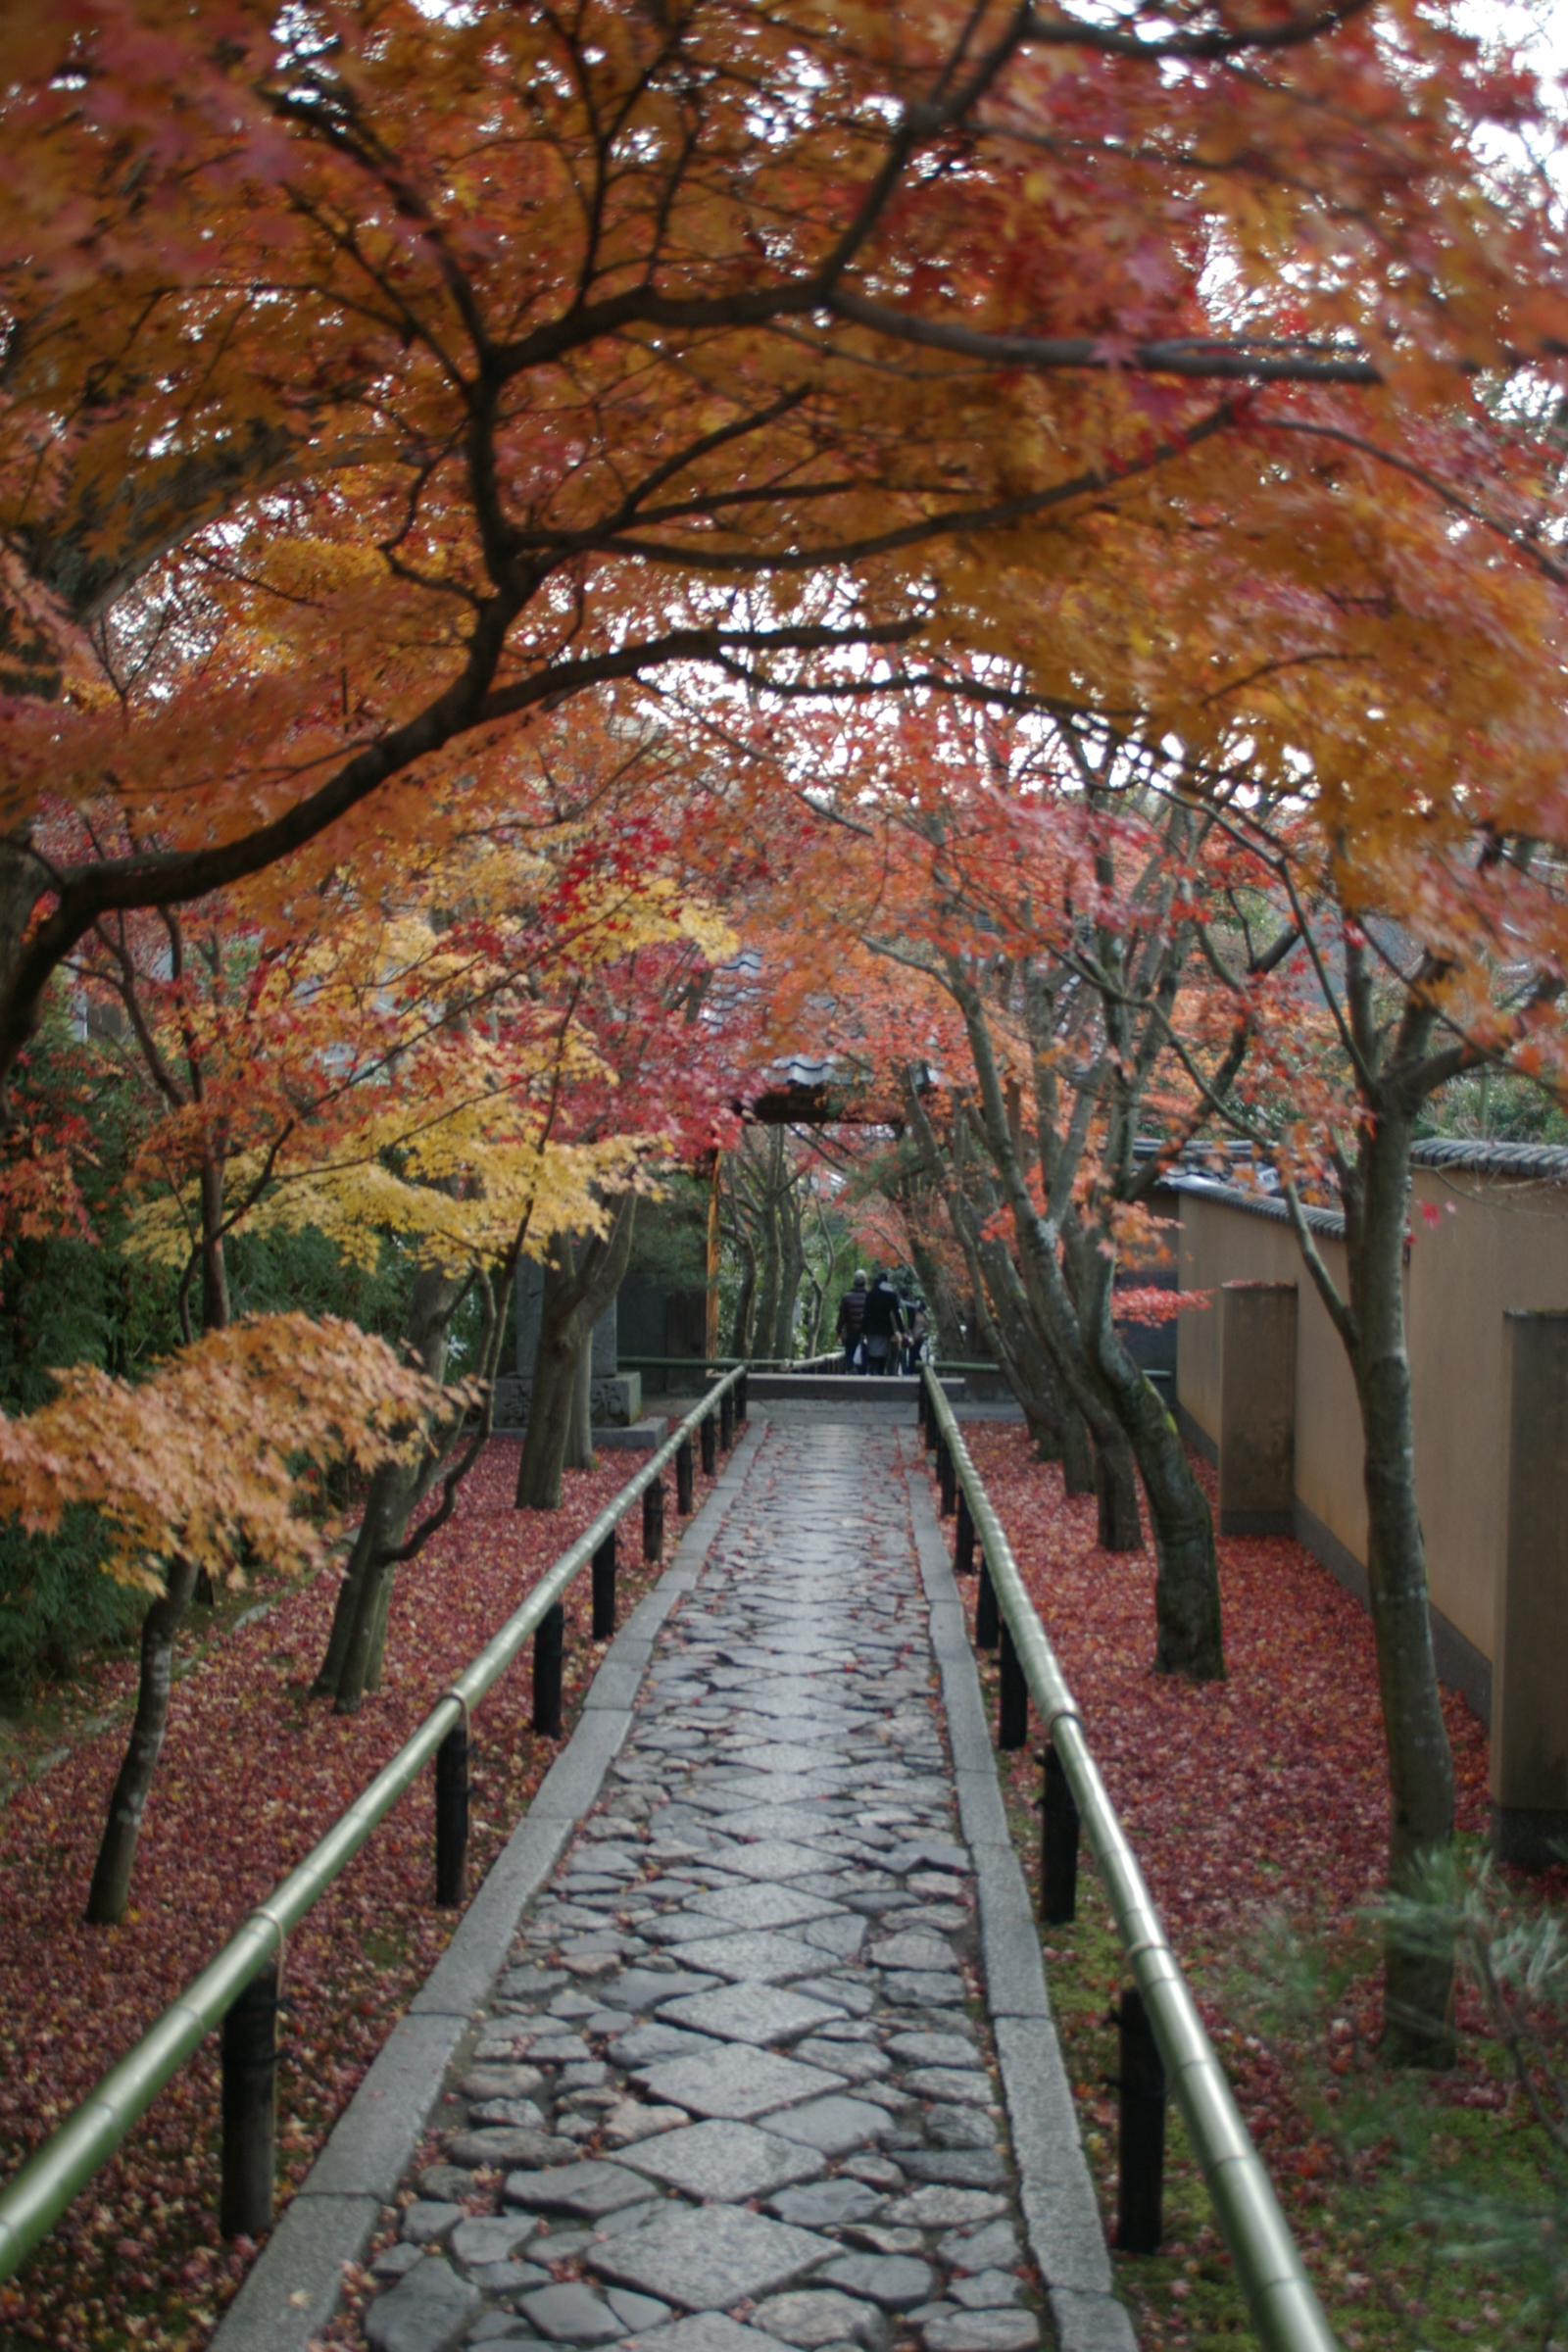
pixel 851 1319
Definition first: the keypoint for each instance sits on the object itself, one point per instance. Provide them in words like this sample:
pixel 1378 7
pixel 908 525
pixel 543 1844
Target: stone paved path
pixel 737 2090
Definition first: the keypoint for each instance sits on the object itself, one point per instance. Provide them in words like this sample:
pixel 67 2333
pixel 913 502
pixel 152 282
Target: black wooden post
pixel 653 1521
pixel 740 1399
pixel 921 1407
pixel 604 1589
pixel 1059 1844
pixel 987 1623
pixel 1013 1725
pixel 726 1419
pixel 963 1538
pixel 249 2100
pixel 683 1478
pixel 933 1435
pixel 452 1819
pixel 709 1446
pixel 946 1478
pixel 548 1645
pixel 1140 2187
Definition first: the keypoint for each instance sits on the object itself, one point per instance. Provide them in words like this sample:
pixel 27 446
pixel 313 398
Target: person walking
pixel 883 1325
pixel 851 1322
pixel 919 1327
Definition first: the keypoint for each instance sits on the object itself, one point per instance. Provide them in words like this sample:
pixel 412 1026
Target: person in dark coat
pixel 852 1315
pixel 883 1327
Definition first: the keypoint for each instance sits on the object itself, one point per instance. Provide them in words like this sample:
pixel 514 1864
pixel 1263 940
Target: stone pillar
pixel 616 1398
pixel 1530 1647
pixel 1257 1408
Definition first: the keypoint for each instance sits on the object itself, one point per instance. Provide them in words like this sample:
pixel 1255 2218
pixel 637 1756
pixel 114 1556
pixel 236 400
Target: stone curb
pixel 1060 2209
pixel 292 2288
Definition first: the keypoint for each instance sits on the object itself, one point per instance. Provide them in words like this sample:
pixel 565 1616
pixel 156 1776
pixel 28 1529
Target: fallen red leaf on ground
pixel 1264 1793
pixel 1240 1793
pixel 253 1772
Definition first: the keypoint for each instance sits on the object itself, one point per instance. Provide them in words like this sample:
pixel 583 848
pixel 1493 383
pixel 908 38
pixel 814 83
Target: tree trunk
pixel 740 1332
pixel 769 1284
pixel 1079 1470
pixel 110 1878
pixel 791 1265
pixel 1186 1600
pixel 1071 1308
pixel 371 1593
pixel 941 1302
pixel 215 1270
pixel 1097 1455
pixel 579 1283
pixel 1005 1329
pixel 1056 1426
pixel 383 1516
pixel 579 1454
pixel 553 1396
pixel 814 1320
pixel 1034 1323
pixel 1418 1984
pixel 375 1656
pixel 22 882
pixel 393 1491
pixel 1114 1486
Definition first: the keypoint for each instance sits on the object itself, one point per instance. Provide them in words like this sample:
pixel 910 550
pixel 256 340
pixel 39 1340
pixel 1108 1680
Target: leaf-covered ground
pixel 1258 1800
pixel 251 1774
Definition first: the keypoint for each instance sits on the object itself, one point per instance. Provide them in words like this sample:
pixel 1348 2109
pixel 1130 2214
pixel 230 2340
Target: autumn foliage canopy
pixel 544 554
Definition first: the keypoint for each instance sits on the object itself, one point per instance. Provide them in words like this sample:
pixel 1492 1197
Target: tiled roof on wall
pixel 1327 1221
pixel 1548 1162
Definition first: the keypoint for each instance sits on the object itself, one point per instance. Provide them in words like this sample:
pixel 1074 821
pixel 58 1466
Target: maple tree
pixel 559 1180
pixel 1348 976
pixel 1412 969
pixel 945 1279
pixel 426 1060
pixel 801 1201
pixel 402 1068
pixel 141 2254
pixel 1039 909
pixel 668 1074
pixel 582 1274
pixel 419 371
pixel 1386 688
pixel 214 1459
pixel 766 1207
pixel 374 385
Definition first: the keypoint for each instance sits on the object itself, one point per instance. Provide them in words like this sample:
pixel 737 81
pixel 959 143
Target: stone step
pixel 852 1387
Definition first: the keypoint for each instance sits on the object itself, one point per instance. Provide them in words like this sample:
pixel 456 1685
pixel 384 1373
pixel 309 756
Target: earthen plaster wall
pixel 1491 1244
